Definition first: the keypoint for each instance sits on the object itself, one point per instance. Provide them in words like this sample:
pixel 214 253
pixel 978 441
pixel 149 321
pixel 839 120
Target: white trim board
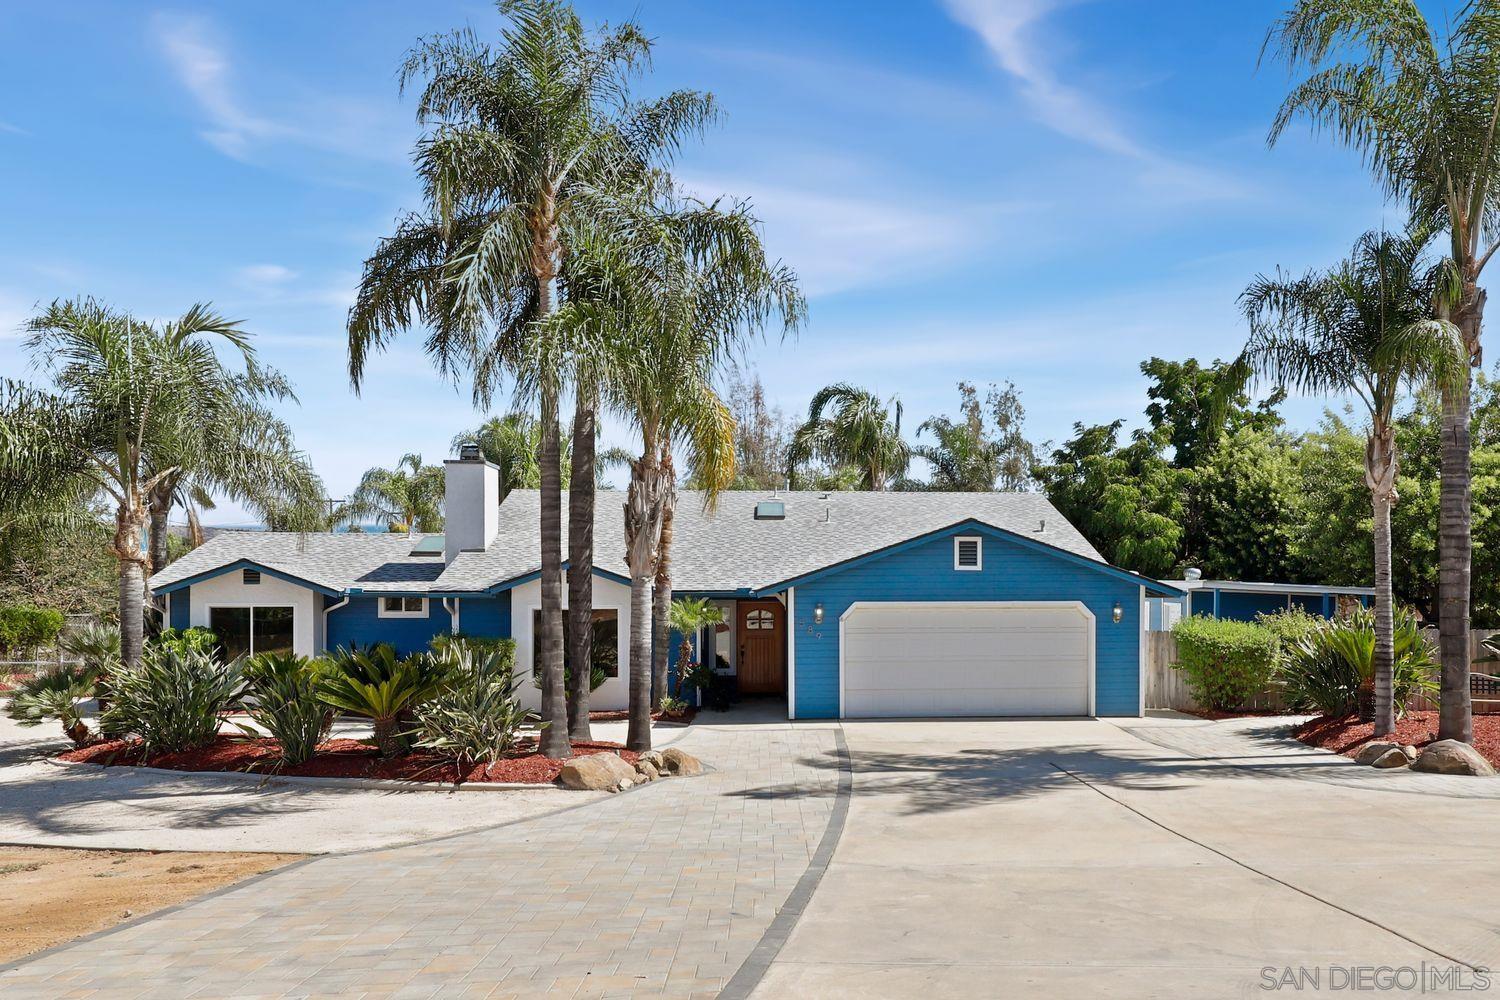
pixel 1079 606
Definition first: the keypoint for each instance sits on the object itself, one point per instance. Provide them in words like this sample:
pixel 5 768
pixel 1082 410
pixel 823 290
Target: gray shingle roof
pixel 730 550
pixel 726 550
pixel 374 562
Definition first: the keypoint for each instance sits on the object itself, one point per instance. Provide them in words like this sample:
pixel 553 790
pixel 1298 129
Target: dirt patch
pixel 685 716
pixel 49 895
pixel 1346 734
pixel 339 759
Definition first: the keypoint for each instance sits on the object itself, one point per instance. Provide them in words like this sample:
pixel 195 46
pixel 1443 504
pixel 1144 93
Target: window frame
pixel 423 611
pixel 250 610
pixel 978 541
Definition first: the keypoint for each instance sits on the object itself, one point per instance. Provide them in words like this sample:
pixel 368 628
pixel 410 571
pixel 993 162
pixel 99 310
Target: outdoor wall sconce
pixel 818 613
pixel 1118 614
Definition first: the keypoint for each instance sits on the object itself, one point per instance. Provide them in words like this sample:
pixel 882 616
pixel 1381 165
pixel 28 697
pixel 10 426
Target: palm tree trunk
pixel 1385 622
pixel 1455 546
pixel 554 739
pixel 642 547
pixel 130 519
pixel 661 598
pixel 581 567
pixel 161 507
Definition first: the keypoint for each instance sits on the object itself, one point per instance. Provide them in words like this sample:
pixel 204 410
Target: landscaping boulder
pixel 597 772
pixel 646 770
pixel 1410 751
pixel 1452 757
pixel 652 757
pixel 1394 757
pixel 1371 752
pixel 675 761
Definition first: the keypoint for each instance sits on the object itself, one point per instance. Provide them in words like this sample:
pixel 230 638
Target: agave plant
pixel 173 699
pixel 58 694
pixel 378 683
pixel 282 699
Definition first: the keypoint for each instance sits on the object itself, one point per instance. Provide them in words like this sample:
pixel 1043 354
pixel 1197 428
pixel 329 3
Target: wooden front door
pixel 761 632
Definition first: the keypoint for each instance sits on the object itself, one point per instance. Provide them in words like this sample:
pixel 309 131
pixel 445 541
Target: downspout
pixel 453 610
pixel 332 607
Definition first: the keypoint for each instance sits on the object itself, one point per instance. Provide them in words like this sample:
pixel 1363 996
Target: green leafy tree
pixel 407 498
pixel 1419 104
pixel 850 426
pixel 1360 328
pixel 128 400
pixel 1196 408
pixel 985 449
pixel 524 145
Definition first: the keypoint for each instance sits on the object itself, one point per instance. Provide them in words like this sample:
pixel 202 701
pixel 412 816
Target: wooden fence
pixel 1166 687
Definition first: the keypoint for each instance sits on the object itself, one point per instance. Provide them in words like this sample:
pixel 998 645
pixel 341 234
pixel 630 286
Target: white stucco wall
pixel 228 591
pixel 614 693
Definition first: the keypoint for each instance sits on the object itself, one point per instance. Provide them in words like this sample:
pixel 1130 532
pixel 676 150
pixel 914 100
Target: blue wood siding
pixel 180 608
pixel 1012 572
pixel 1243 607
pixel 487 617
pixel 359 621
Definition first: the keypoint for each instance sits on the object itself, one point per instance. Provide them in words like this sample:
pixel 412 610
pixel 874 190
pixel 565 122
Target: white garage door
pixel 967 659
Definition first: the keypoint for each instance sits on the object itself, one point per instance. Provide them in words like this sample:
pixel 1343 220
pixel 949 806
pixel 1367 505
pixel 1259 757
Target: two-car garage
pixel 980 658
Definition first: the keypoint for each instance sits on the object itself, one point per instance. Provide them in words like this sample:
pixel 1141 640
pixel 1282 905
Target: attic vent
pixel 968 553
pixel 770 510
pixel 250 576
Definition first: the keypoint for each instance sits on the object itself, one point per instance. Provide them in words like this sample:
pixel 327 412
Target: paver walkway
pixel 663 890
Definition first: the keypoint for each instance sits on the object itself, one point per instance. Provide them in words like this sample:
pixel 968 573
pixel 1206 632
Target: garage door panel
pixel 916 660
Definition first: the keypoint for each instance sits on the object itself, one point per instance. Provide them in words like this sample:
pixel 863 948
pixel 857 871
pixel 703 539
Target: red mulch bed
pixel 1346 734
pixel 686 716
pixel 339 759
pixel 1214 715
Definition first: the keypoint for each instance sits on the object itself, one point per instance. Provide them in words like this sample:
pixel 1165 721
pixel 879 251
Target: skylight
pixel 432 545
pixel 770 510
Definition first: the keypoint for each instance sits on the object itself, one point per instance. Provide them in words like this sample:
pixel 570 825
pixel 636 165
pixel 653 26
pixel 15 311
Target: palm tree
pixel 861 432
pixel 674 298
pixel 514 443
pixel 523 142
pixel 131 403
pixel 1362 328
pixel 1423 109
pixel 251 457
pixel 408 497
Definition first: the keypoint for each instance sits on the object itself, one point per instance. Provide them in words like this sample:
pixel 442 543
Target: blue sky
pixel 1043 191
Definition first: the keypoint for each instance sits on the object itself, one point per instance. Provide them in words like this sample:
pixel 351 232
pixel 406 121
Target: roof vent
pixel 770 510
pixel 1192 573
pixel 1041 525
pixel 250 577
pixel 469 452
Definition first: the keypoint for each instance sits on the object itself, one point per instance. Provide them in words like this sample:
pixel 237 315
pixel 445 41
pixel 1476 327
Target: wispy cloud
pixel 260 277
pixel 12 129
pixel 1012 30
pixel 199 57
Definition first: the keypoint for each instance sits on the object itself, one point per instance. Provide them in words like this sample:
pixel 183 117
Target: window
pixel 606 653
pixel 245 631
pixel 403 607
pixel 250 577
pixel 968 553
pixel 759 619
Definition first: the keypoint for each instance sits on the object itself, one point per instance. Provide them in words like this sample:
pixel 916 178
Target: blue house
pixel 1241 600
pixel 844 605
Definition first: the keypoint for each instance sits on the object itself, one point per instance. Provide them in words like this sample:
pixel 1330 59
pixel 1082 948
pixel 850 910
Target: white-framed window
pixel 968 553
pixel 403 607
pixel 243 631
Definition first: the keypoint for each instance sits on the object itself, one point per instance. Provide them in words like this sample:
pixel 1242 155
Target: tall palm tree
pixel 407 498
pixel 863 431
pixel 676 288
pixel 1423 108
pixel 129 405
pixel 514 443
pixel 1362 328
pixel 522 142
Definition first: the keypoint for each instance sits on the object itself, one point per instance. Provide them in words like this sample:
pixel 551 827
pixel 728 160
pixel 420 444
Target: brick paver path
pixel 660 891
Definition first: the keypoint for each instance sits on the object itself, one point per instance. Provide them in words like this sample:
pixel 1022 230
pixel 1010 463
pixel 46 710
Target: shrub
pixel 188 640
pixel 715 690
pixel 23 626
pixel 1226 662
pixel 1325 670
pixel 173 698
pixel 673 706
pixel 378 683
pixel 1290 627
pixel 55 694
pixel 477 716
pixel 281 698
pixel 477 643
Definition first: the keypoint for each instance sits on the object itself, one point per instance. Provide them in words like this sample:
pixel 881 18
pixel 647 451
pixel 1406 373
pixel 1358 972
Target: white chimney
pixel 471 510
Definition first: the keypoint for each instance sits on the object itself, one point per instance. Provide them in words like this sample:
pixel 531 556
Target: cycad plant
pixel 1418 101
pixel 1328 668
pixel 57 694
pixel 378 683
pixel 852 427
pixel 1361 328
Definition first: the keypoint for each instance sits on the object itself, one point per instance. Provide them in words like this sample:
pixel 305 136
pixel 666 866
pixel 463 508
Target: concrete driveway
pixel 1072 858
